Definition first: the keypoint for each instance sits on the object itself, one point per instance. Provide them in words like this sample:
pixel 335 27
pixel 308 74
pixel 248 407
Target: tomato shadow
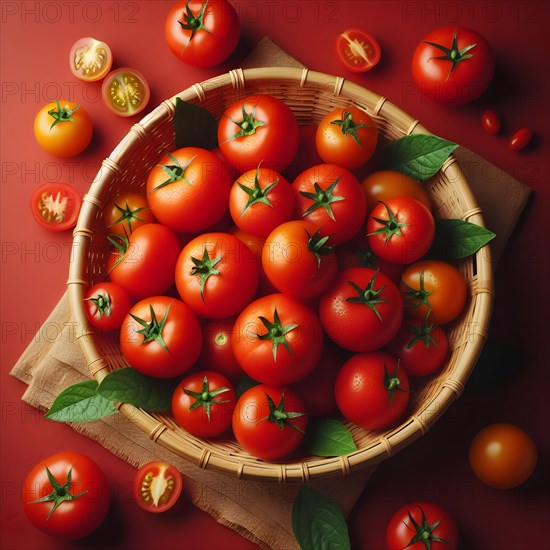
pixel 113 529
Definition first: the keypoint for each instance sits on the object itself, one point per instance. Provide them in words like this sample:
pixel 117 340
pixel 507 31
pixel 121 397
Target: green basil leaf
pixel 127 385
pixel 318 522
pixel 419 156
pixel 328 437
pixel 80 403
pixel 456 239
pixel 194 126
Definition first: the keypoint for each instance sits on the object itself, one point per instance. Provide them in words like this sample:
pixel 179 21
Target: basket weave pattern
pixel 310 95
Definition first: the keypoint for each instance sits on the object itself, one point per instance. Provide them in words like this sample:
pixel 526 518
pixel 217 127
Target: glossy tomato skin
pixel 502 455
pixel 68 137
pixel 365 393
pixel 126 212
pixel 521 139
pixel 260 436
pixel 274 141
pixel 357 50
pixel 125 92
pixel 74 519
pixel 401 529
pixel 469 78
pixel 346 136
pixel 179 343
pixel 231 277
pixel 195 201
pixel 340 209
pixel 354 325
pixel 214 416
pixel 147 267
pixel 55 206
pixel 446 287
pixel 148 482
pixel 106 305
pixel 400 230
pixel 211 43
pixel 282 358
pixel 292 262
pixel 490 121
pixel 90 59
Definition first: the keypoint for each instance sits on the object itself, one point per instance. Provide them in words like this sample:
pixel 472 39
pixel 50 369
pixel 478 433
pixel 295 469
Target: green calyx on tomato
pixel 102 303
pixel 276 332
pixel 422 333
pixel 152 330
pixel 256 194
pixel 60 492
pixel 194 22
pixel 390 227
pixel 368 297
pixel 175 172
pixel 247 125
pixel 279 416
pixel 453 54
pixel 121 244
pixel 318 246
pixel 392 382
pixel 424 532
pixel 205 268
pixel 322 198
pixel 127 215
pixel 62 114
pixel 417 297
pixel 205 398
pixel 349 127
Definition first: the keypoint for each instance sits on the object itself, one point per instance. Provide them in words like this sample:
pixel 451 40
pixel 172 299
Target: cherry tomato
pixel 269 422
pixel 126 212
pixel 125 92
pixel 90 59
pixel 66 496
pixel 371 390
pixel 346 136
pixel 55 206
pixel 521 139
pixel 106 305
pixel 490 121
pixel 63 128
pixel 357 50
pixel 421 525
pixel 502 456
pixel 157 486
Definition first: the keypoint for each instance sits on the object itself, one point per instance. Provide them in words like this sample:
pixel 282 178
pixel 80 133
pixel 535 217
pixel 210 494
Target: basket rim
pixel 203 453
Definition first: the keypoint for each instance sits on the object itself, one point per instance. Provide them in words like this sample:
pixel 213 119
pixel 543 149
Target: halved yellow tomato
pixel 125 91
pixel 90 59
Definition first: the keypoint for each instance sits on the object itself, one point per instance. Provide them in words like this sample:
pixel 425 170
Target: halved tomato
pixel 357 50
pixel 125 91
pixel 90 59
pixel 55 206
pixel 157 486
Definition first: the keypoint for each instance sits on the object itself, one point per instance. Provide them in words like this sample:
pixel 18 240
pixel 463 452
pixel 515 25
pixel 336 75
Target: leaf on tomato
pixel 419 156
pixel 127 385
pixel 328 437
pixel 80 403
pixel 194 126
pixel 456 239
pixel 317 522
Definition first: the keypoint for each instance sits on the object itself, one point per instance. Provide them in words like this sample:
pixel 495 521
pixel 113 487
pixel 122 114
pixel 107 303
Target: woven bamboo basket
pixel 310 95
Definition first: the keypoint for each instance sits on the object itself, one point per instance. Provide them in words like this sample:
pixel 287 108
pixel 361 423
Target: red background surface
pixel 36 37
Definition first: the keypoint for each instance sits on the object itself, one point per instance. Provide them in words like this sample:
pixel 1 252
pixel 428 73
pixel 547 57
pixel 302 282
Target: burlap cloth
pixel 258 511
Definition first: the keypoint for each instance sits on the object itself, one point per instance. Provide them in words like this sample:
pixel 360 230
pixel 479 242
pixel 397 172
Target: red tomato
pixel 215 276
pixel 260 200
pixel 90 59
pixel 371 390
pixel 269 422
pixel 357 50
pixel 490 121
pixel 362 310
pixel 202 33
pixel 144 263
pixel 203 403
pixel 55 206
pixel 420 347
pixel 346 136
pixel 278 339
pixel 125 92
pixel 161 337
pixel 502 456
pixel 453 65
pixel 66 496
pixel 106 304
pixel 188 189
pixel 421 525
pixel 331 197
pixel 400 230
pixel 126 212
pixel 298 261
pixel 258 128
pixel 433 290
pixel 157 486
pixel 521 139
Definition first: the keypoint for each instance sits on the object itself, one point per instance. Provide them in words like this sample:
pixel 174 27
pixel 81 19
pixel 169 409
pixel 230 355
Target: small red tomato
pixel 357 50
pixel 157 486
pixel 490 121
pixel 106 305
pixel 521 139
